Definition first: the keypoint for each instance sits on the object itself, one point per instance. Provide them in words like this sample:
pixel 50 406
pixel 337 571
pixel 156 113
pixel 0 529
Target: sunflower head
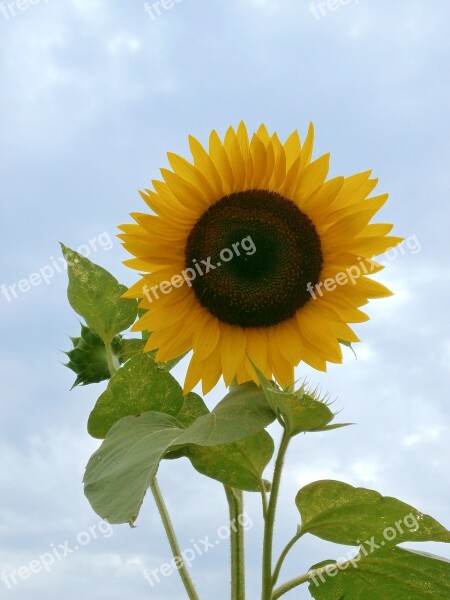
pixel 251 255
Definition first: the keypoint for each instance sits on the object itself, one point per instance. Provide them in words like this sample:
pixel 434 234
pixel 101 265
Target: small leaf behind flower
pixel 96 295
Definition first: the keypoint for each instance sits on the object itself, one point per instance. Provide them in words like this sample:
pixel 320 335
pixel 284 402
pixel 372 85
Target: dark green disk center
pixel 264 251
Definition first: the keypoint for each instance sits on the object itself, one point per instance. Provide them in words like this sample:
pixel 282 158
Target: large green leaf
pixel 343 514
pixel 118 475
pixel 391 574
pixel 241 414
pixel 96 295
pixel 239 465
pixel 192 409
pixel 140 386
pixel 130 347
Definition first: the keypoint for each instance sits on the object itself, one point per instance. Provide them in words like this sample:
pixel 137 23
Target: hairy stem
pixel 267 585
pixel 175 547
pixel 290 585
pixel 264 500
pixel 315 576
pixel 284 554
pixel 236 504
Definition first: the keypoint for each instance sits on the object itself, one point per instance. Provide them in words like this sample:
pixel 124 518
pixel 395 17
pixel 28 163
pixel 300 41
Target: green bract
pixel 88 357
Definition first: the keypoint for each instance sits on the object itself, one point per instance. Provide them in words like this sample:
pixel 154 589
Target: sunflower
pixel 252 256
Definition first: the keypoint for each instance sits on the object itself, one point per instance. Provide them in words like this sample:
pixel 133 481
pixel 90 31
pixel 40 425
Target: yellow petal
pixel 232 342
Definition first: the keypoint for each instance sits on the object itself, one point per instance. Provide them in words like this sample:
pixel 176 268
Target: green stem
pixel 267 585
pixel 290 585
pixel 175 547
pixel 312 575
pixel 264 499
pixel 284 554
pixel 113 361
pixel 236 504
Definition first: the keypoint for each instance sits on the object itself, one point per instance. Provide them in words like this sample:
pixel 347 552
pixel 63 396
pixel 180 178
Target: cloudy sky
pixel 93 94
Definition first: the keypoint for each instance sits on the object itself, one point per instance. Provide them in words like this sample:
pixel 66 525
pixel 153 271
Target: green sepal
pixel 299 411
pixel 348 345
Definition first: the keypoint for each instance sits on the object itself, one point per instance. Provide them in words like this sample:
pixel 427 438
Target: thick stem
pixel 176 551
pixel 237 534
pixel 284 554
pixel 267 585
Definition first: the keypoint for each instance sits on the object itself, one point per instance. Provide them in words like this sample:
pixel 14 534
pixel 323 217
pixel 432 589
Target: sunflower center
pixel 257 251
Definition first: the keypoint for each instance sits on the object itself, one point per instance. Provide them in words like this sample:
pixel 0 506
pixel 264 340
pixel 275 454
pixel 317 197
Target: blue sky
pixel 93 95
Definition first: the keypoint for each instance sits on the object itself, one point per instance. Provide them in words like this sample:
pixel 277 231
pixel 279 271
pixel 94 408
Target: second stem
pixel 267 582
pixel 236 503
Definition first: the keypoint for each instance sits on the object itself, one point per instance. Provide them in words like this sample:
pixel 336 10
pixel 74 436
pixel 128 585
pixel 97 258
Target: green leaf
pixel 192 409
pixel 242 413
pixel 169 364
pixel 239 465
pixel 96 295
pixel 392 574
pixel 130 347
pixel 118 475
pixel 343 514
pixel 140 386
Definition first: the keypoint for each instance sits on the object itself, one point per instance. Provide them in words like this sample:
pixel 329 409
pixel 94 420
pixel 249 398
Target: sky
pixel 93 95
